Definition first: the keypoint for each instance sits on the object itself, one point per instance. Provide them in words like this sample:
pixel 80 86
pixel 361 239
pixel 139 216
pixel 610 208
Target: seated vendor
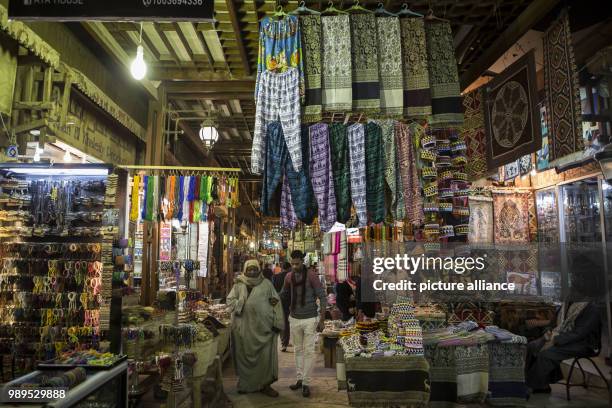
pixel 578 335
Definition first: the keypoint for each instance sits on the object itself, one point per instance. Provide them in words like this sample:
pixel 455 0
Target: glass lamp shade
pixel 209 136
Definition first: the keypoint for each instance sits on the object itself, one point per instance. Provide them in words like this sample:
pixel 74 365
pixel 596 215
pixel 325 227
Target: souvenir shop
pixel 387 152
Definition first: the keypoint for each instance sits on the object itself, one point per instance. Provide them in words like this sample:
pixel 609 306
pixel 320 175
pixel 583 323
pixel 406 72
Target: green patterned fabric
pixel 310 26
pixel 446 104
pixel 366 85
pixel 338 139
pixel 336 57
pixel 375 188
pixel 391 169
pixel 390 67
pixel 417 95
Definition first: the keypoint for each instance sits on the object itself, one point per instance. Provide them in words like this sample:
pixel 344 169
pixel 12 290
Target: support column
pixel 154 156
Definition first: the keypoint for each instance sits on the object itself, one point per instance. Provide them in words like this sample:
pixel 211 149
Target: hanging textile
pixel 336 59
pixel 338 141
pixel 288 218
pixel 277 100
pixel 481 220
pixel 135 198
pixel 186 181
pixel 562 90
pixel 302 196
pixel 375 189
pixel 390 165
pixel 443 75
pixel 321 175
pixel 170 193
pixel 417 95
pixel 145 196
pixel 511 217
pixel 390 66
pixel 274 165
pixel 356 141
pixel 511 115
pixel 280 48
pixel 310 25
pixel 162 204
pixel 203 234
pixel 473 132
pixel 150 198
pixel 407 158
pixel 364 58
pixel 342 260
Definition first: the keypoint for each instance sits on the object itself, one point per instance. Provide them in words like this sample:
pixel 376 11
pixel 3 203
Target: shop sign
pixel 108 10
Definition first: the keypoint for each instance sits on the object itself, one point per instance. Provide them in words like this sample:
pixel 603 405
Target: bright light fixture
pixel 67 157
pixel 35 132
pixel 58 171
pixel 139 67
pixel 37 154
pixel 209 136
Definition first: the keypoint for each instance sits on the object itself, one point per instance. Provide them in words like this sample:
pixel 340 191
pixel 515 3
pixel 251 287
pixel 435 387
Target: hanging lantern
pixel 209 136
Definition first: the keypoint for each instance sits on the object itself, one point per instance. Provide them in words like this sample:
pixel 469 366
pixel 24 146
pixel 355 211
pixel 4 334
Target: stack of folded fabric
pixel 405 329
pixel 505 336
pixel 431 317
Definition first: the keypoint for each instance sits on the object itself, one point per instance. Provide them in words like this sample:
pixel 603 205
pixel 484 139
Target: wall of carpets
pixel 56 244
pixel 401 158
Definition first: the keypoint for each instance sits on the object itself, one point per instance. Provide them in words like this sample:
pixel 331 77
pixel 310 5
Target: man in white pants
pixel 302 288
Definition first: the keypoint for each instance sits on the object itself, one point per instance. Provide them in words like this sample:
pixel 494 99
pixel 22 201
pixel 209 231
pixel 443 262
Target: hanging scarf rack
pixel 170 170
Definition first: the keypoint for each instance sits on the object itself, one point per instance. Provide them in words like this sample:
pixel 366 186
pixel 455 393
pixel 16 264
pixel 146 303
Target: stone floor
pixel 325 393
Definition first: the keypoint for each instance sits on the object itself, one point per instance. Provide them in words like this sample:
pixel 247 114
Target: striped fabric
pixel 356 138
pixel 321 175
pixel 375 188
pixel 278 98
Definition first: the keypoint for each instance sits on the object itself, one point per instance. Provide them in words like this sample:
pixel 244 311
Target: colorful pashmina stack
pixel 366 85
pixel 443 75
pixel 310 26
pixel 337 81
pixel 417 95
pixel 375 189
pixel 390 66
pixel 321 175
pixel 338 140
pixel 280 48
pixel 562 90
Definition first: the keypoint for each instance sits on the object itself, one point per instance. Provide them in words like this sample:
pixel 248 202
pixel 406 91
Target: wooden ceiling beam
pixel 524 22
pixel 160 73
pixel 233 14
pixel 221 96
pixel 177 87
pixel 167 44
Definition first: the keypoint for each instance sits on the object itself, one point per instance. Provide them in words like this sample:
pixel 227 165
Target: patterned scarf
pixel 310 26
pixel 302 196
pixel 390 163
pixel 364 57
pixel 356 138
pixel 337 79
pixel 390 66
pixel 443 75
pixel 321 175
pixel 417 95
pixel 375 189
pixel 407 158
pixel 473 132
pixel 338 140
pixel 135 198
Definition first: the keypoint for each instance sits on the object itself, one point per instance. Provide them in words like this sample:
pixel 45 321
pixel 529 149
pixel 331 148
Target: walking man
pixel 302 288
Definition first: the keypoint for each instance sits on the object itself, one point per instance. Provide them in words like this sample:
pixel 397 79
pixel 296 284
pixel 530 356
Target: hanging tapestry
pixel 511 216
pixel 336 59
pixel 481 220
pixel 520 266
pixel 338 141
pixel 533 218
pixel 543 155
pixel 417 95
pixel 280 48
pixel 310 25
pixel 366 85
pixel 443 75
pixel 473 132
pixel 562 92
pixel 390 66
pixel 511 170
pixel 525 164
pixel 511 113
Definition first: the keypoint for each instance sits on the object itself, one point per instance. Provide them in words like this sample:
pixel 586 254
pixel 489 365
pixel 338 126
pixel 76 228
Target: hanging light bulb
pixel 67 157
pixel 139 67
pixel 37 154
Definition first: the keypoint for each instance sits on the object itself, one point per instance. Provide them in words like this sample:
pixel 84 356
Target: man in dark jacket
pixel 279 280
pixel 578 335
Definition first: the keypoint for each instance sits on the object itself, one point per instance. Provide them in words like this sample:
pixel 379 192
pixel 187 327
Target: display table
pixel 385 381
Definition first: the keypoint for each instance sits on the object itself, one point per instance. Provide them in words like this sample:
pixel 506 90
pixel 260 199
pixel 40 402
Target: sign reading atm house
pixel 109 10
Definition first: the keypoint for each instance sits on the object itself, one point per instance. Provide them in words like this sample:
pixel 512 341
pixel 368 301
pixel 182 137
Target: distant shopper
pixel 279 281
pixel 257 318
pixel 302 288
pixel 267 273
